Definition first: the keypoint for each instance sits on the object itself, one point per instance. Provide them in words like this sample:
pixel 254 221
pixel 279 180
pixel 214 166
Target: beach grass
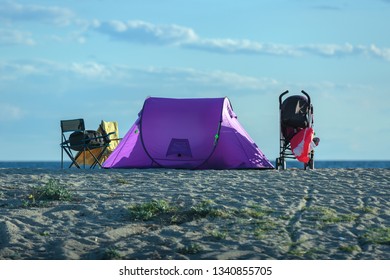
pixel 191 249
pixel 51 190
pixel 325 215
pixel 218 234
pixel 148 210
pixel 208 208
pixel 350 248
pixel 256 210
pixel 377 235
pixel 165 210
pixel 368 209
pixel 111 253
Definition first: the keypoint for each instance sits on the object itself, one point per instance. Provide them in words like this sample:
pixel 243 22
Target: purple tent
pixel 187 133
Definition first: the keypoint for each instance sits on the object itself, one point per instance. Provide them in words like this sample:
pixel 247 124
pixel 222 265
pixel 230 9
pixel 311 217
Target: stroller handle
pixel 285 92
pixel 307 95
pixel 280 97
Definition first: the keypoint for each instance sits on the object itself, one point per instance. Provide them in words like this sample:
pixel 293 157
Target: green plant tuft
pixel 148 210
pixel 111 253
pixel 216 234
pixel 328 215
pixel 50 191
pixel 377 236
pixel 191 249
pixel 255 211
pixel 349 248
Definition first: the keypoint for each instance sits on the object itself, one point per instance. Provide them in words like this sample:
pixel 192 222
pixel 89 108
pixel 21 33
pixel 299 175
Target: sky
pixel 100 59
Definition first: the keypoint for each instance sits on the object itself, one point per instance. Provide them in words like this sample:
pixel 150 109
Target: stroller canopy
pixel 295 111
pixel 187 133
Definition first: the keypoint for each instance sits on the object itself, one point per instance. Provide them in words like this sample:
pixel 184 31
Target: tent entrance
pixel 179 148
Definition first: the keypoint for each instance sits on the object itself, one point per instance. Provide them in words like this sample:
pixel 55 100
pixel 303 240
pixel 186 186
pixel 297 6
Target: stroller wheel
pixel 310 164
pixel 280 164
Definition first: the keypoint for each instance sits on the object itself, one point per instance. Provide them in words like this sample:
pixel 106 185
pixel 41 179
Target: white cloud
pixel 90 70
pixel 334 50
pixel 230 80
pixel 329 49
pixel 149 33
pixel 9 112
pixel 12 11
pixel 15 37
pixel 378 52
pixel 124 76
pixel 231 46
pixel 15 70
pixel 142 32
pixel 145 32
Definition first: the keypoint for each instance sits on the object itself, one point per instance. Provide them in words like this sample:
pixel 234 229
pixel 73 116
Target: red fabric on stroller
pixel 301 144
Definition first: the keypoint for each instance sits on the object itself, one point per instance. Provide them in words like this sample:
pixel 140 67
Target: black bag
pixel 79 140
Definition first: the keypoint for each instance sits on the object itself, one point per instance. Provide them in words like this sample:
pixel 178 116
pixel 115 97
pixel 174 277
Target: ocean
pixel 290 164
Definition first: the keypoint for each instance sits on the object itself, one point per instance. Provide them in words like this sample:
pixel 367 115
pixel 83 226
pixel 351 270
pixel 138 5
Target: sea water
pixel 290 164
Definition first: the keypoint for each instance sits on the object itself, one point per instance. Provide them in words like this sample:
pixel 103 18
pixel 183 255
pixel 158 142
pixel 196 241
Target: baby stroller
pixel 296 130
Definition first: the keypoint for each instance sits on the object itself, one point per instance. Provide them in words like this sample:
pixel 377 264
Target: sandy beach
pixel 183 214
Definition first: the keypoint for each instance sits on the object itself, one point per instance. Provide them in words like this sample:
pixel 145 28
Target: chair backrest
pixel 72 125
pixel 110 128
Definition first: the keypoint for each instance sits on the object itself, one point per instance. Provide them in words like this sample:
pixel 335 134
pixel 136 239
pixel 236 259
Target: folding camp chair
pixel 74 138
pixel 105 128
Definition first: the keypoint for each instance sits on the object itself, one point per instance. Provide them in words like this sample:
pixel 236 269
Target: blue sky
pixel 99 59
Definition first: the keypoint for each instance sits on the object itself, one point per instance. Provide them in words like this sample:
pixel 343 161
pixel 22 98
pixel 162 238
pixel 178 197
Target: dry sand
pixel 245 214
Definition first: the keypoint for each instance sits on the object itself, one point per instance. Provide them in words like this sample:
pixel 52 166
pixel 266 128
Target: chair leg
pixel 96 160
pixel 74 160
pixel 84 152
pixel 98 157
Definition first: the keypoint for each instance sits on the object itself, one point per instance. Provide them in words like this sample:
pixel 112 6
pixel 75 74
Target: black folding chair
pixel 74 138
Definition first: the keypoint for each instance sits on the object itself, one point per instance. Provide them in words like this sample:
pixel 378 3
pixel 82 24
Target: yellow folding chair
pixel 105 128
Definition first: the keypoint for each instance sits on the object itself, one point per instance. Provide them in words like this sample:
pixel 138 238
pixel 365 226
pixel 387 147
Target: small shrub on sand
pixel 148 210
pixel 191 249
pixel 218 235
pixel 206 208
pixel 349 248
pixel 327 215
pixel 111 253
pixel 368 210
pixel 377 236
pixel 264 227
pixel 50 191
pixel 256 211
pixel 202 209
pixel 175 215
